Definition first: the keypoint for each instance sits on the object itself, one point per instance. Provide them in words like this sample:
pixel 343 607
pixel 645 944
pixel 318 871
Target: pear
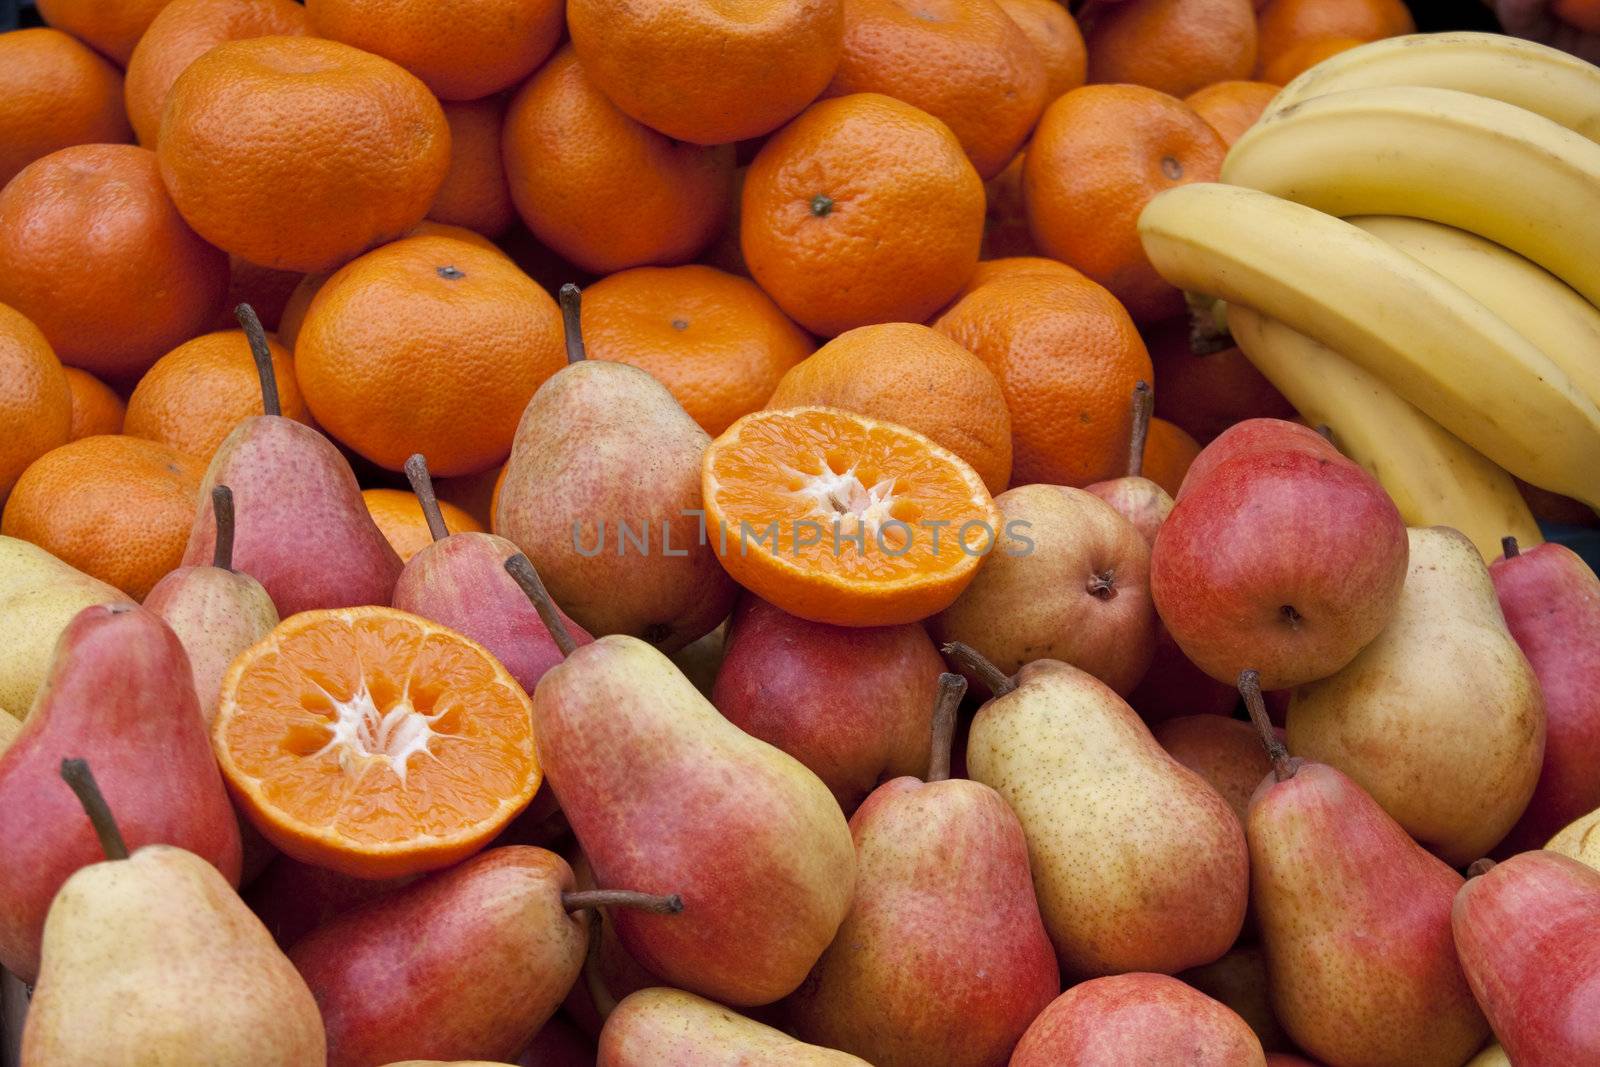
pixel 1139 865
pixel 1551 601
pixel 460 581
pixel 216 611
pixel 943 957
pixel 1440 718
pixel 1355 919
pixel 9 728
pixel 303 530
pixel 1492 1056
pixel 474 959
pixel 153 959
pixel 1528 932
pixel 667 796
pixel 1239 980
pixel 1135 497
pixel 1225 752
pixel 655 1027
pixel 1148 1019
pixel 119 692
pixel 39 595
pixel 602 491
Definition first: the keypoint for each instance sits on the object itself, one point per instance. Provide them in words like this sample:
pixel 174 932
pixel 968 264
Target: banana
pixel 1423 336
pixel 1467 161
pixel 1544 80
pixel 1432 477
pixel 1536 303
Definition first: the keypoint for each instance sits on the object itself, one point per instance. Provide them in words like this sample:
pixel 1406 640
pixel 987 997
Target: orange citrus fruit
pixel 472 493
pixel 117 508
pixel 1168 451
pixel 96 409
pixel 905 373
pixel 715 340
pixel 1293 61
pixel 843 519
pixel 374 742
pixel 1231 107
pixel 1054 34
pixel 196 394
pixel 989 270
pixel 263 288
pixel 57 92
pixel 1584 14
pixel 1176 46
pixel 111 27
pixel 474 194
pixel 35 399
pixel 1005 222
pixel 1282 24
pixel 399 516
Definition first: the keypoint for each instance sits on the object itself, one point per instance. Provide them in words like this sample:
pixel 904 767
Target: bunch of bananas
pixel 1408 244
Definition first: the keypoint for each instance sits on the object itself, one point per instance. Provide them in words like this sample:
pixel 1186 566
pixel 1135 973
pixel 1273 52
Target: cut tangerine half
pixel 844 519
pixel 375 743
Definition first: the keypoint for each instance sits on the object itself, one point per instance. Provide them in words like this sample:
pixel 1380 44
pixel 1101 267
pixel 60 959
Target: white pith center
pixel 359 728
pixel 842 496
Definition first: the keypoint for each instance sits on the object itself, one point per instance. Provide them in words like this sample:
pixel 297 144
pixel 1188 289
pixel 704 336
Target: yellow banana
pixel 1484 166
pixel 1536 303
pixel 1432 477
pixel 1541 79
pixel 1423 336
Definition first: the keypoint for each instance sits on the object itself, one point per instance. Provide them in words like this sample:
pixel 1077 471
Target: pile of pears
pixel 1253 775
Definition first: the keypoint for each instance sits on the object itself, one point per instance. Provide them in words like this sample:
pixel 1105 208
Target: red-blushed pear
pixel 1225 752
pixel 120 693
pixel 1355 919
pixel 303 530
pixel 1239 980
pixel 1138 864
pixel 666 795
pixel 1136 498
pixel 474 960
pixel 1528 931
pixel 460 581
pixel 657 1027
pixel 1286 559
pixel 152 958
pixel 1551 602
pixel 1439 718
pixel 602 491
pixel 943 957
pixel 292 898
pixel 1253 436
pixel 1174 686
pixel 1068 580
pixel 854 704
pixel 216 611
pixel 1148 1019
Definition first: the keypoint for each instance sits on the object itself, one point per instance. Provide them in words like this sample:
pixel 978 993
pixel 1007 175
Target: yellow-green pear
pixel 1440 718
pixel 1580 840
pixel 39 595
pixel 659 1026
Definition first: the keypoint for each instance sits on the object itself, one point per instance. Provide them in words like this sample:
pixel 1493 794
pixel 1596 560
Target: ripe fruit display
pixel 799 533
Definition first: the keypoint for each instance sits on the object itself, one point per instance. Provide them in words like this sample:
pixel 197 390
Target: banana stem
pixel 422 485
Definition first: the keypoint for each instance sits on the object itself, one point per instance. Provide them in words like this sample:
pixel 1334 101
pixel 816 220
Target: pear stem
pixel 77 775
pixel 999 682
pixel 1144 402
pixel 1250 689
pixel 599 993
pixel 655 903
pixel 952 687
pixel 1509 546
pixel 521 570
pixel 1325 432
pixel 571 322
pixel 262 354
pixel 422 484
pixel 222 511
pixel 1483 866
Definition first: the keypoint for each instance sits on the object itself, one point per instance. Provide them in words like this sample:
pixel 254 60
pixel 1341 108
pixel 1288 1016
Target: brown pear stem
pixel 222 511
pixel 521 569
pixel 952 687
pixel 262 354
pixel 1483 866
pixel 1144 402
pixel 572 322
pixel 999 682
pixel 422 485
pixel 1250 689
pixel 599 992
pixel 77 775
pixel 1509 546
pixel 1325 432
pixel 655 903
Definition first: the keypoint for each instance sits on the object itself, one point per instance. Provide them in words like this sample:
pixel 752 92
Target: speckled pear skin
pixel 668 1026
pixel 1138 863
pixel 303 530
pixel 604 442
pixel 217 614
pixel 154 960
pixel 1355 919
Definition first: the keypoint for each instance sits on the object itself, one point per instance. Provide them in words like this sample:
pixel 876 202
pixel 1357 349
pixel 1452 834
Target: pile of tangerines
pixel 928 187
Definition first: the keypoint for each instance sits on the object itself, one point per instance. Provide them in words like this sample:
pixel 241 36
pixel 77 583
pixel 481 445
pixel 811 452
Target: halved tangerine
pixel 845 519
pixel 375 743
